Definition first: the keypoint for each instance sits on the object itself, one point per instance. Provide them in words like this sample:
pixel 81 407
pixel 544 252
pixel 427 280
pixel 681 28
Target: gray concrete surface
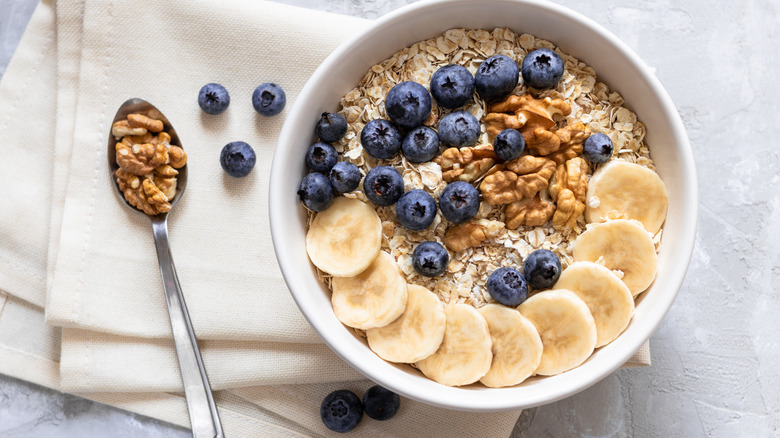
pixel 715 356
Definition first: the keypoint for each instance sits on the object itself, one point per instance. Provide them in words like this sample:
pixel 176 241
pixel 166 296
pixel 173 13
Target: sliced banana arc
pixel 517 347
pixel 609 300
pixel 344 239
pixel 622 245
pixel 373 298
pixel 416 334
pixel 566 327
pixel 464 355
pixel 630 189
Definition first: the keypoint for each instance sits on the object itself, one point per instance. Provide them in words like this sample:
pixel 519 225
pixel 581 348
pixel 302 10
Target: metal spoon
pixel 200 402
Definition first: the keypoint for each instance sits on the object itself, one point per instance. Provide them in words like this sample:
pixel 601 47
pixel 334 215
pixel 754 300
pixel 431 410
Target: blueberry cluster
pixel 329 175
pixel 342 410
pixel 238 158
pixel 508 286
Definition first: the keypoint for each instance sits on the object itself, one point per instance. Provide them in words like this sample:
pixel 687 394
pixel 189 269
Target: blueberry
pixel 459 201
pixel 542 268
pixel 213 98
pixel 408 104
pixel 321 157
pixel 381 139
pixel 268 99
pixel 496 77
pixel 542 69
pixel 331 127
pixel 459 129
pixel 421 144
pixel 509 144
pixel 315 191
pixel 383 185
pixel 430 259
pixel 237 159
pixel 380 403
pixel 452 86
pixel 415 210
pixel 507 286
pixel 345 176
pixel 598 148
pixel 341 411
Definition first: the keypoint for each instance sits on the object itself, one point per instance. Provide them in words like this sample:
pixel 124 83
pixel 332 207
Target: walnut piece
pixel 123 128
pixel 568 188
pixel 466 164
pixel 515 180
pixel 524 113
pixel 143 195
pixel 529 212
pixel 471 234
pixel 140 158
pixel 571 138
pixel 178 158
pixel 141 121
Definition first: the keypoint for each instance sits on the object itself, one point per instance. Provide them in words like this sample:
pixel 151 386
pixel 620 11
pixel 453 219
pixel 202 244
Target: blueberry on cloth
pixel 415 210
pixel 408 104
pixel 542 69
pixel 542 268
pixel 459 201
pixel 496 77
pixel 509 144
pixel 380 403
pixel 268 99
pixel 237 159
pixel 598 148
pixel 321 157
pixel 430 259
pixel 344 176
pixel 507 286
pixel 331 127
pixel 315 192
pixel 421 144
pixel 213 98
pixel 341 411
pixel 383 185
pixel 452 86
pixel 380 138
pixel 459 129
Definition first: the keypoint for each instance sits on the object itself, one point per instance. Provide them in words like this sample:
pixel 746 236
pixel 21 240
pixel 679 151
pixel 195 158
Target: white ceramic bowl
pixel 614 63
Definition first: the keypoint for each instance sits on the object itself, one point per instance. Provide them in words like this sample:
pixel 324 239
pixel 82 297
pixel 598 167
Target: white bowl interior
pixel 614 63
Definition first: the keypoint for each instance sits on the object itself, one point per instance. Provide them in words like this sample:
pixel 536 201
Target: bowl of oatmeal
pixel 605 89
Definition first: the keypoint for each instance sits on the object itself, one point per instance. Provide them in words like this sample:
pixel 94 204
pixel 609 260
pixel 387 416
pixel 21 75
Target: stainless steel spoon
pixel 200 402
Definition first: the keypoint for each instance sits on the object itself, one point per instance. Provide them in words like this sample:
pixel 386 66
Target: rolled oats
pixel 593 106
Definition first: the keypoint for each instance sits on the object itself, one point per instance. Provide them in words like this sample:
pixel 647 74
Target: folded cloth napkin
pixel 66 189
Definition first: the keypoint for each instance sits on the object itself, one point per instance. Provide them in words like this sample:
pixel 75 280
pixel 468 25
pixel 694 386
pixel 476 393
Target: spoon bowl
pixel 140 106
pixel 204 418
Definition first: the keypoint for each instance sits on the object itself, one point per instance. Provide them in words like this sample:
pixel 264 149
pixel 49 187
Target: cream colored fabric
pixel 61 221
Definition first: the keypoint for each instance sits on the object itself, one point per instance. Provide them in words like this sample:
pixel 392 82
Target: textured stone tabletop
pixel 715 356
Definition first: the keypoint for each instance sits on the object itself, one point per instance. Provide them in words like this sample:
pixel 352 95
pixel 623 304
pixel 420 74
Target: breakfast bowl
pixel 614 63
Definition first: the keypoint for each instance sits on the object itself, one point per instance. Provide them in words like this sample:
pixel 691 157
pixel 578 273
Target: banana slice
pixel 416 334
pixel 608 298
pixel 623 245
pixel 630 189
pixel 517 347
pixel 566 327
pixel 344 239
pixel 373 298
pixel 464 355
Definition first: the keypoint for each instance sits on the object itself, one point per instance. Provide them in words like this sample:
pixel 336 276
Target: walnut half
pixel 568 188
pixel 518 179
pixel 466 164
pixel 471 234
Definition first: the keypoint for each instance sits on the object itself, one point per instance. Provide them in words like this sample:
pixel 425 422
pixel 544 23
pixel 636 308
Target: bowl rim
pixel 447 397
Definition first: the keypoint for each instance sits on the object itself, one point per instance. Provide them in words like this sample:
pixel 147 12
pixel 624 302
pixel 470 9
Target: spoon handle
pixel 200 402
